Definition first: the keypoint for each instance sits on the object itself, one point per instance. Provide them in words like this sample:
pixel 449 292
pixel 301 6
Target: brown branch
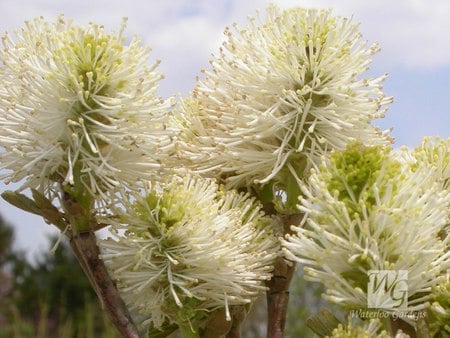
pixel 278 298
pixel 84 245
pixel 235 331
pixel 278 293
pixel 86 250
pixel 238 316
pixel 399 324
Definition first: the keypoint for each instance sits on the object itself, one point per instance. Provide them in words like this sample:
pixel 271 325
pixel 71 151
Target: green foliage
pixel 6 237
pixel 51 298
pixel 39 205
pixel 439 311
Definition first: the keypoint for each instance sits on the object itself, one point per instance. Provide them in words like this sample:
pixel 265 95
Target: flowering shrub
pixel 273 159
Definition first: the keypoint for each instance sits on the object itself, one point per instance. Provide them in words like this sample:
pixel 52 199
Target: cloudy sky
pixel 414 36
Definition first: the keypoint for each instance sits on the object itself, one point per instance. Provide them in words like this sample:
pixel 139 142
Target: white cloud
pixel 183 33
pixel 184 47
pixel 412 33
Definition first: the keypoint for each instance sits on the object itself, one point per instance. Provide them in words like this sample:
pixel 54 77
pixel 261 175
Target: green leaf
pixel 165 331
pixel 40 206
pixel 323 323
pixel 187 331
pixel 78 191
pixel 293 193
pixel 265 193
pixel 48 210
pixel 21 201
pixel 78 217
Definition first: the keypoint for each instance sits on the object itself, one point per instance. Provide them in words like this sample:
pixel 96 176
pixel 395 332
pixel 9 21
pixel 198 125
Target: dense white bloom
pixel 433 153
pixel 281 92
pixel 78 104
pixel 370 329
pixel 187 247
pixel 367 211
pixel 439 309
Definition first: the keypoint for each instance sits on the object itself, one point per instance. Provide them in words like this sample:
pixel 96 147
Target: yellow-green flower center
pixel 356 171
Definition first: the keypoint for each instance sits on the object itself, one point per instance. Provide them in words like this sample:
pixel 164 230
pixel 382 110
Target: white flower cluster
pixel 371 329
pixel 77 105
pixel 187 247
pixel 368 211
pixel 439 309
pixel 433 153
pixel 281 93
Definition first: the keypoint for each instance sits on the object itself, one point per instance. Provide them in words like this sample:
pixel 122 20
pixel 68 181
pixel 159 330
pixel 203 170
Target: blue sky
pixel 413 35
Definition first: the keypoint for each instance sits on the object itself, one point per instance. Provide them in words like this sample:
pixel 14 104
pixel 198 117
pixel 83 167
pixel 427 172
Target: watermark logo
pixel 380 314
pixel 388 290
pixel 387 297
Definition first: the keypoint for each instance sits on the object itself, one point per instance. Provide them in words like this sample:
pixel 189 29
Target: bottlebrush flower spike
pixel 78 105
pixel 187 247
pixel 433 152
pixel 439 308
pixel 282 92
pixel 370 329
pixel 367 211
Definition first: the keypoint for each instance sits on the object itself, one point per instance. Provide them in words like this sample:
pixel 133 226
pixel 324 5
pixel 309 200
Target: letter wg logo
pixel 387 289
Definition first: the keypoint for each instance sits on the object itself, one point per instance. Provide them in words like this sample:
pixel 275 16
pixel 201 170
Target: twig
pixel 85 248
pixel 399 324
pixel 278 298
pixel 238 314
pixel 278 293
pixel 84 245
